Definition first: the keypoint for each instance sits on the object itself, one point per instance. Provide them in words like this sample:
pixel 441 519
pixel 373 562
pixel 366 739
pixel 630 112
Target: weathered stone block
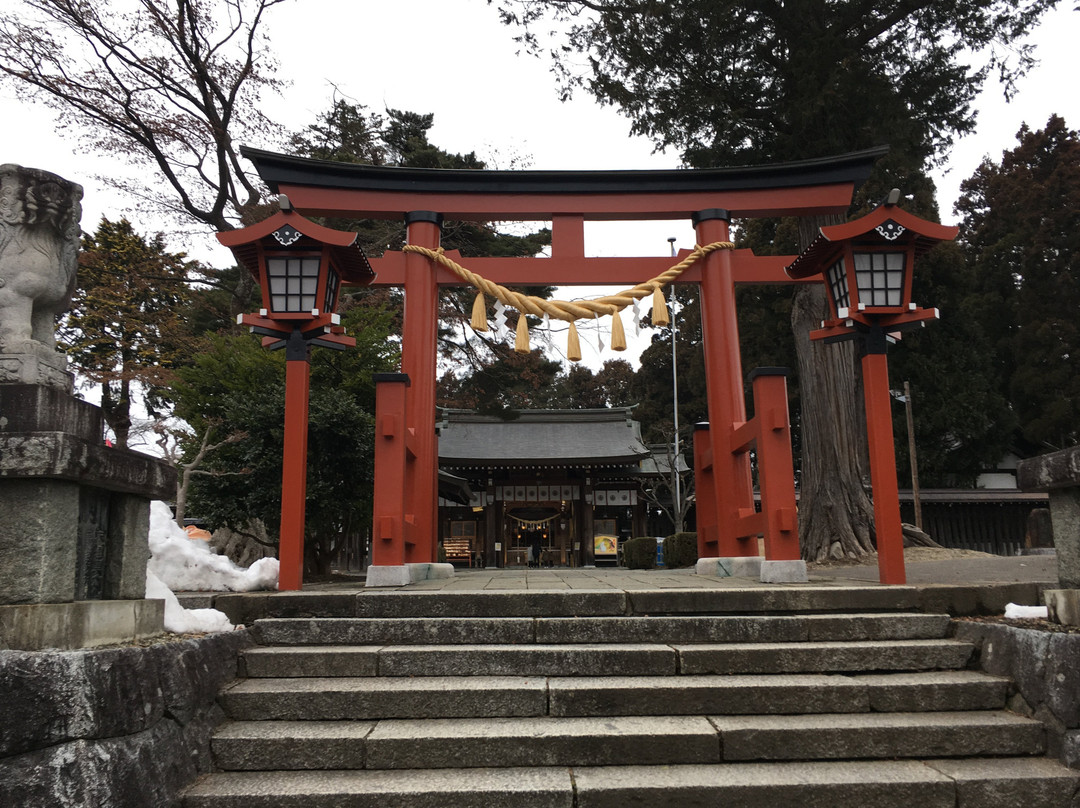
pixel 34 408
pixel 81 624
pixel 783 572
pixel 1059 473
pixel 1015 653
pixel 37 542
pixel 1063 606
pixel 1063 678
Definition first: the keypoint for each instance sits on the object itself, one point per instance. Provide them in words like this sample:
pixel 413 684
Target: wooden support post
pixel 776 469
pixel 703 482
pixel 733 487
pixel 391 462
pixel 879 432
pixel 294 464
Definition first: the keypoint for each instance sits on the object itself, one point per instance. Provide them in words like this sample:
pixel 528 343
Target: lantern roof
pixel 887 224
pixel 293 229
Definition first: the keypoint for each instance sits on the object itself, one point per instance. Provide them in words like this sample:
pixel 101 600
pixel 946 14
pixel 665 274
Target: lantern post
pixel 866 265
pixel 300 267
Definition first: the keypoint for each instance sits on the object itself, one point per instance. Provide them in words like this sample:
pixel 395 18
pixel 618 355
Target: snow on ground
pixel 178 563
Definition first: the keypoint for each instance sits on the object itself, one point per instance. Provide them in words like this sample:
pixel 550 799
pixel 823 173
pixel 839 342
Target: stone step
pixel 247 607
pixel 368 697
pixel 479 696
pixel 878 735
pixel 824 657
pixel 467 743
pixel 606 659
pixel 550 630
pixel 464 660
pixel 1031 782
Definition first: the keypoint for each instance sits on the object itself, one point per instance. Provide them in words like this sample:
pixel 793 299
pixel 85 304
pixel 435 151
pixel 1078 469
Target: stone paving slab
pixel 437 788
pixel 877 735
pixel 372 698
pixel 868 656
pixel 881 784
pixel 548 741
pixel 528 660
pixel 358 660
pixel 262 745
pixel 1032 783
pixel 394 631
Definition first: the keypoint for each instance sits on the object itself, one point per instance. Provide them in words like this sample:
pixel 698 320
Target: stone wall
pixel 119 727
pixel 1045 669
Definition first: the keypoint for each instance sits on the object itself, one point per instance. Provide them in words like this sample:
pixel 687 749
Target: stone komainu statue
pixel 39 247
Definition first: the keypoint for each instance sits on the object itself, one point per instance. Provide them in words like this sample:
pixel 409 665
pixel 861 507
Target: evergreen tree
pixel 1021 232
pixel 125 331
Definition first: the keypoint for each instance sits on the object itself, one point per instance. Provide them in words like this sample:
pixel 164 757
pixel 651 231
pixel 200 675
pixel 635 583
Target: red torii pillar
pixel 733 523
pixel 418 361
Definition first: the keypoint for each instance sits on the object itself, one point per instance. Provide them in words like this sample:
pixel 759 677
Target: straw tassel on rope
pixel 521 339
pixel 618 336
pixel 659 308
pixel 573 344
pixel 479 313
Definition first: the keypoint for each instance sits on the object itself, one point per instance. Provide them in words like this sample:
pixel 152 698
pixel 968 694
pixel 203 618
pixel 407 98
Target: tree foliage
pixel 237 388
pixel 123 331
pixel 1021 232
pixel 736 83
pixel 167 85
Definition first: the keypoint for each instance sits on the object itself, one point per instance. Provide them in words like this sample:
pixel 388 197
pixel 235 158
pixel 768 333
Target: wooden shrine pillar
pixel 732 488
pixel 418 360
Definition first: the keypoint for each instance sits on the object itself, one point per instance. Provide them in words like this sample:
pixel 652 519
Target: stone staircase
pixel 428 700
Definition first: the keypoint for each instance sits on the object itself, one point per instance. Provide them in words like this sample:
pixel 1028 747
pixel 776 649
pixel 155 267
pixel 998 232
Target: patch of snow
pixel 178 563
pixel 1014 611
pixel 179 620
pixel 186 565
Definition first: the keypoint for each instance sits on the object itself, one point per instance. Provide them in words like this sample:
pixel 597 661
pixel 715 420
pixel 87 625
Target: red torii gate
pixel 406 499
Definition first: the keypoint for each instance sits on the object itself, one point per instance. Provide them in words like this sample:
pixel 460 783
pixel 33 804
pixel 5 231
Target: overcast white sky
pixel 453 58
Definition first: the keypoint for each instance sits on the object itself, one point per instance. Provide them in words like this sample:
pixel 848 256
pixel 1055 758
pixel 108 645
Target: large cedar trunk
pixel 836 517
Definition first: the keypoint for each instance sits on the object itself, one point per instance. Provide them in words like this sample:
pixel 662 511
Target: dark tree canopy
pixel 1021 232
pixel 732 83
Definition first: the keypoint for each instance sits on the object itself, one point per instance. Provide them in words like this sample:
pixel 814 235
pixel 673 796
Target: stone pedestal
pixel 74 518
pixel 1059 474
pixel 31 362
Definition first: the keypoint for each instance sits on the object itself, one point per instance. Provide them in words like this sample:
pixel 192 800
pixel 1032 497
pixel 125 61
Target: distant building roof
pixel 601 437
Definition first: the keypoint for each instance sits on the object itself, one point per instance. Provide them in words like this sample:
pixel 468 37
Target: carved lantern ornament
pixel 300 267
pixel 867 268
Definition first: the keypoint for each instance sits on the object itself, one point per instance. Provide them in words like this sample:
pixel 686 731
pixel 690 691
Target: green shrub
pixel 640 553
pixel 680 550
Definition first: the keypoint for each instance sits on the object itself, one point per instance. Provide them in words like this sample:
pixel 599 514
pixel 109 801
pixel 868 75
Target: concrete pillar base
pixel 783 572
pixel 730 567
pixel 405 574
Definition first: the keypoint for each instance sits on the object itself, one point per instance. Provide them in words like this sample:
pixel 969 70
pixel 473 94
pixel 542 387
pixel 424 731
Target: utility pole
pixel 677 504
pixel 911 455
